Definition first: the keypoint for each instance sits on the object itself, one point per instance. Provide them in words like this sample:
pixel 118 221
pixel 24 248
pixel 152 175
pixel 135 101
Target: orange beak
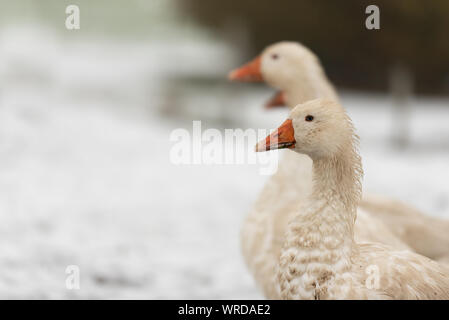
pixel 249 72
pixel 278 100
pixel 283 137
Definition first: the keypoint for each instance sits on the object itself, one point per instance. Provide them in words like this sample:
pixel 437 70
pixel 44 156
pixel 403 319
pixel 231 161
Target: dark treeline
pixel 413 33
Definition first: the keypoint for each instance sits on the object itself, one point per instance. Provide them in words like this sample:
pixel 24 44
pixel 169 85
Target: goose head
pixel 280 65
pixel 318 128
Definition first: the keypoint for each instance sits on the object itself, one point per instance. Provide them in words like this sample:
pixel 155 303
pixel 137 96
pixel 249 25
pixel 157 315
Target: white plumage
pixel 296 71
pixel 320 259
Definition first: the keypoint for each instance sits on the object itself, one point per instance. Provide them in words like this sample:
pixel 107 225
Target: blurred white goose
pixel 297 72
pixel 320 259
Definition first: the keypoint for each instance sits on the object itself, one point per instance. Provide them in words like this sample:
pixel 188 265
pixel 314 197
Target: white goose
pixel 320 259
pixel 297 72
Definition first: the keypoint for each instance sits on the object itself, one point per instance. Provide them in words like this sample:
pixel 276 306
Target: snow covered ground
pixel 85 176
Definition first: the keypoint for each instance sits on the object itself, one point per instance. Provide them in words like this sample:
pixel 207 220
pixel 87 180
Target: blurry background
pixel 85 119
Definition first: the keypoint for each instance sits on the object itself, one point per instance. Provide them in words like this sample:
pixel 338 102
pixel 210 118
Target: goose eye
pixel 309 118
pixel 274 56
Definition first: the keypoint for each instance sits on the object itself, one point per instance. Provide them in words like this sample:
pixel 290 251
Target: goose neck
pixel 309 84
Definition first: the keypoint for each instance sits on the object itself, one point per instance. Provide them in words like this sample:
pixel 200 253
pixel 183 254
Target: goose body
pixel 297 72
pixel 264 228
pixel 320 257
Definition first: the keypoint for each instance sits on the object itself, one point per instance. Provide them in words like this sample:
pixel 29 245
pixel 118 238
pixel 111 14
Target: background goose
pixel 320 259
pixel 277 100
